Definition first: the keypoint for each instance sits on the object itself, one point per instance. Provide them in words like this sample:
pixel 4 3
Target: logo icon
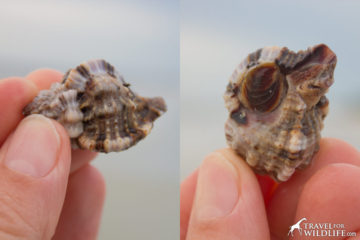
pixel 296 226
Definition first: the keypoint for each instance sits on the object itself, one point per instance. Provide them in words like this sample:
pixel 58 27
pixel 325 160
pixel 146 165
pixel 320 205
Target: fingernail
pixel 217 188
pixel 34 147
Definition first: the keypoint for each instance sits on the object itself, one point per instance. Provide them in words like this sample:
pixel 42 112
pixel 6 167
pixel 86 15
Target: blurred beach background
pixel 217 35
pixel 141 39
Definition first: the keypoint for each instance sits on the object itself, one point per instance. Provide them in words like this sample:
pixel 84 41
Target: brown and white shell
pixel 97 108
pixel 277 106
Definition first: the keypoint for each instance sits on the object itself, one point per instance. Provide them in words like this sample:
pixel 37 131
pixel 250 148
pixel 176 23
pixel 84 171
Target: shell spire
pixel 97 108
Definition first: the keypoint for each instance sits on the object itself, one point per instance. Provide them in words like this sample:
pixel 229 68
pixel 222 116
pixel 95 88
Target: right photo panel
pixel 270 113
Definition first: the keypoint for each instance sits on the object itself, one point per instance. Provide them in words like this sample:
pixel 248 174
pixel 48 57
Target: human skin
pixel 224 199
pixel 47 190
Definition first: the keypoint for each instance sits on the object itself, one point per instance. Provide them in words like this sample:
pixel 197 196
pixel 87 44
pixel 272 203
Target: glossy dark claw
pixel 264 88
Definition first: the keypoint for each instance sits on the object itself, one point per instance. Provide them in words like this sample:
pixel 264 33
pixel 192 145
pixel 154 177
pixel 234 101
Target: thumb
pixel 228 203
pixel 34 169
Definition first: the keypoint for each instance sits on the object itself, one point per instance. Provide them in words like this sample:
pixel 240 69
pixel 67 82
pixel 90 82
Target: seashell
pixel 97 108
pixel 277 104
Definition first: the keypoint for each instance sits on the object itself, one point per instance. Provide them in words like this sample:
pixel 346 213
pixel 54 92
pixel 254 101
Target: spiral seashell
pixel 277 104
pixel 97 108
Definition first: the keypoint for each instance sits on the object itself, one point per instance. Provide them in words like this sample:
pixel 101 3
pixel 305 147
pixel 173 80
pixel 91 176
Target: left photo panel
pixel 89 122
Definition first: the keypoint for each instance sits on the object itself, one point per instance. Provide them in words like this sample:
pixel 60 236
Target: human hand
pixel 47 190
pixel 225 200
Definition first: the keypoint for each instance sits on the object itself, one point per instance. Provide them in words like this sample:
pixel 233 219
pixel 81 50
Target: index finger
pixel 284 203
pixel 15 93
pixel 43 78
